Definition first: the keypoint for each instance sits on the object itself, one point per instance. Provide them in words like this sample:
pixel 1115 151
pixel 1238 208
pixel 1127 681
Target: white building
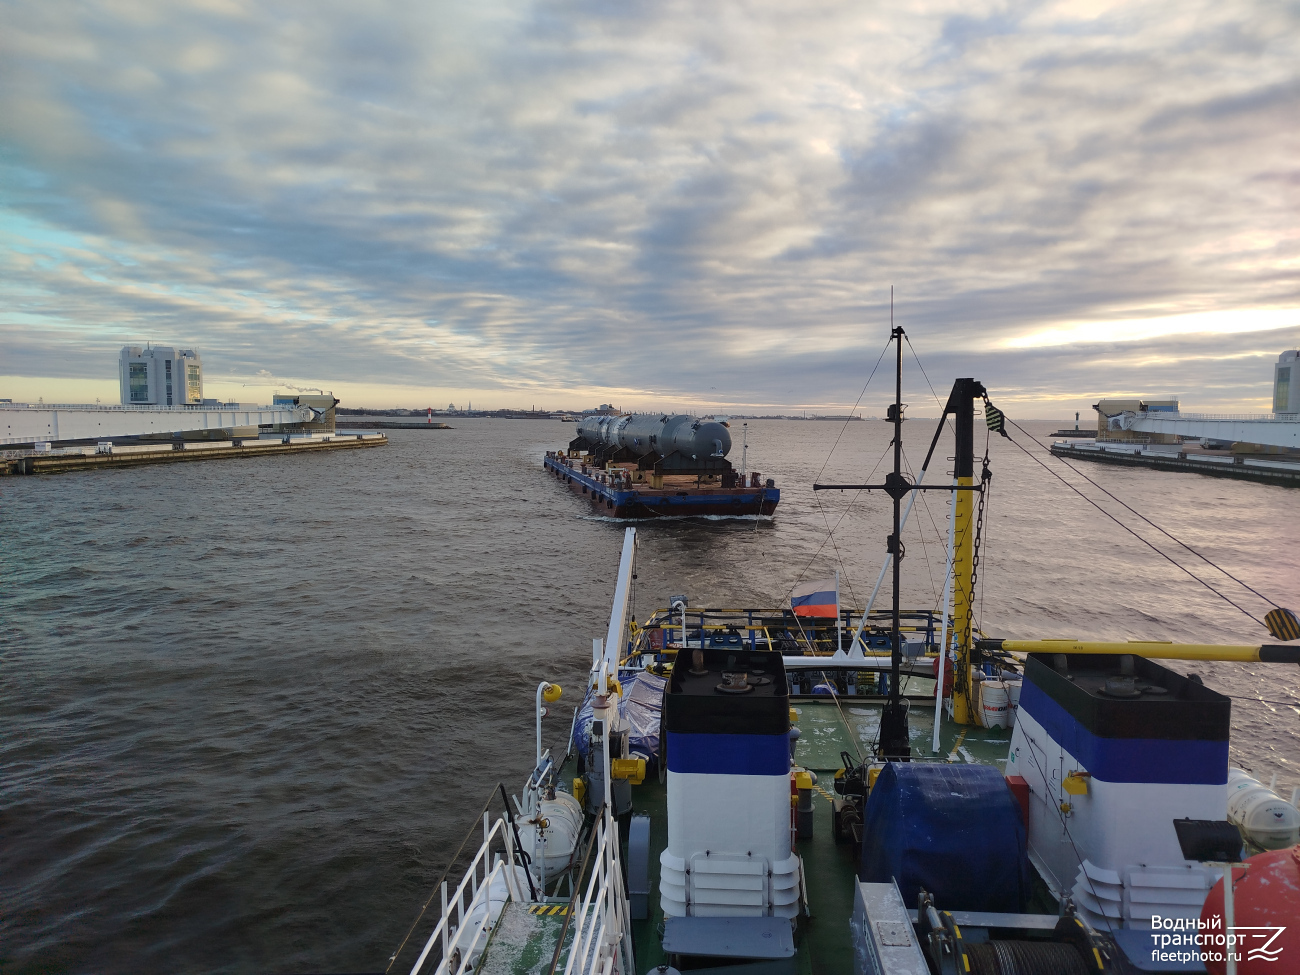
pixel 160 376
pixel 1286 383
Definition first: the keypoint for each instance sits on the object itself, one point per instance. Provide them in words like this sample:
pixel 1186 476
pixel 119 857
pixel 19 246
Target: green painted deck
pixel 523 941
pixel 824 735
pixel 829 868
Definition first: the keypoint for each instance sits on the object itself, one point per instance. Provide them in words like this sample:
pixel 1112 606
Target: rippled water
pixel 249 708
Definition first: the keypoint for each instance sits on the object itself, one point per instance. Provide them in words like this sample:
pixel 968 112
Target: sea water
pixel 249 708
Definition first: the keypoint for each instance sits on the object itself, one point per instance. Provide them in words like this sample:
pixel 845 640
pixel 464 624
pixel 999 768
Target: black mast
pixel 894 745
pixel 893 719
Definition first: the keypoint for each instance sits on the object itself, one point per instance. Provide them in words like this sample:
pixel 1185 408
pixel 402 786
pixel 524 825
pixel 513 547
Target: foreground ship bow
pixel 742 793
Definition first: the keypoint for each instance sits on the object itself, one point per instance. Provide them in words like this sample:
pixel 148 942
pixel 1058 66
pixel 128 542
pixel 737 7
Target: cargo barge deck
pixel 621 491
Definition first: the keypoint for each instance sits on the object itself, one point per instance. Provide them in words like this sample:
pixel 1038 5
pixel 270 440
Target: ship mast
pixel 893 719
pixel 894 744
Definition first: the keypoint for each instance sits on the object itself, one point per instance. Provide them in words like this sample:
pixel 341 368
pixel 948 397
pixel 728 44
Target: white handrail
pixel 585 917
pixel 485 923
pixel 447 932
pixel 601 922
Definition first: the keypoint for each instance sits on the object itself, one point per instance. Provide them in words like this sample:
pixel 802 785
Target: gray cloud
pixel 669 197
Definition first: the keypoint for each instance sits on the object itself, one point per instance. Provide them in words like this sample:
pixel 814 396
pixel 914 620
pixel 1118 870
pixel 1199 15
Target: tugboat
pixel 655 465
pixel 742 794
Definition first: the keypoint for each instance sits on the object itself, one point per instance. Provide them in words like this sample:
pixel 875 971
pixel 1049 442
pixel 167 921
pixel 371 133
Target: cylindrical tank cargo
pixel 596 428
pixel 642 433
pixel 697 439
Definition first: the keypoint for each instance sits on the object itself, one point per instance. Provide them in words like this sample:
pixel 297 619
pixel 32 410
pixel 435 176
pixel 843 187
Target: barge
pixel 660 465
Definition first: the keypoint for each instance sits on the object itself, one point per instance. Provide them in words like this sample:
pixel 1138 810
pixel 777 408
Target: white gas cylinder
pixel 1266 819
pixel 1013 701
pixel 551 834
pixel 995 704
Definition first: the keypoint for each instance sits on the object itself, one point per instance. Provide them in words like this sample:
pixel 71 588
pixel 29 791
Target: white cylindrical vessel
pixel 1265 819
pixel 994 704
pixel 550 836
pixel 1013 700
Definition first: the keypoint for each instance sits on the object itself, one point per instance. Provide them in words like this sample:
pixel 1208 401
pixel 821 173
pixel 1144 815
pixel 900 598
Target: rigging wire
pixel 843 428
pixel 925 549
pixel 804 571
pixel 946 421
pixel 1145 518
pixel 1121 524
pixel 827 461
pixel 938 532
pixel 1065 826
pixel 1263 700
pixel 830 537
pixel 855 406
pixel 835 697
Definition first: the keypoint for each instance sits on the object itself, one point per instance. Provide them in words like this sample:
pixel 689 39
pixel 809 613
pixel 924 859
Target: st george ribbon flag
pixel 820 598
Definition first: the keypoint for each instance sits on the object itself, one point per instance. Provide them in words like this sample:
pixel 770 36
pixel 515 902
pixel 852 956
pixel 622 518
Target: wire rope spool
pixel 1024 958
pixel 1073 949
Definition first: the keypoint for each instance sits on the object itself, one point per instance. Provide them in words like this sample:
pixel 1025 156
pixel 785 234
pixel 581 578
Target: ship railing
pixel 768 627
pixel 467 914
pixel 601 922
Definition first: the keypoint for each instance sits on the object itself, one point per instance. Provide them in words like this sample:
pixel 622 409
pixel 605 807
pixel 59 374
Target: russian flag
pixel 819 598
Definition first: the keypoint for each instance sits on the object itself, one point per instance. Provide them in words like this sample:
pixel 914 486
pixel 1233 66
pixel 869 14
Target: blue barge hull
pixel 619 498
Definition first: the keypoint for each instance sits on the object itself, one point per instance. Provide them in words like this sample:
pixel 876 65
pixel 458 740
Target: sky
pixel 560 203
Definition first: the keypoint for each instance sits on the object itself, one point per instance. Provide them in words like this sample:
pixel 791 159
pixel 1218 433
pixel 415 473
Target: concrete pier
pixel 62 460
pixel 1187 458
pixel 25 423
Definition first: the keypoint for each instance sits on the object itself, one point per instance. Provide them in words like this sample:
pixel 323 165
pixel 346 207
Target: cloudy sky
pixel 565 202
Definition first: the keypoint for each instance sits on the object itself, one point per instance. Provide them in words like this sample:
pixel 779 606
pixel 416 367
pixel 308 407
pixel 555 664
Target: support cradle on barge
pixel 619 492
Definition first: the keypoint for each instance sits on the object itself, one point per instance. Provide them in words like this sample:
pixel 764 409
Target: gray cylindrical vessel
pixel 661 433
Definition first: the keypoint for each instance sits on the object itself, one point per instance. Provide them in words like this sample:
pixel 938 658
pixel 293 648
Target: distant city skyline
pixel 662 206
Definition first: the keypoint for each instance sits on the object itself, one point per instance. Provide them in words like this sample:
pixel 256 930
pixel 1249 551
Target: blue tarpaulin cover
pixel 640 705
pixel 955 830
